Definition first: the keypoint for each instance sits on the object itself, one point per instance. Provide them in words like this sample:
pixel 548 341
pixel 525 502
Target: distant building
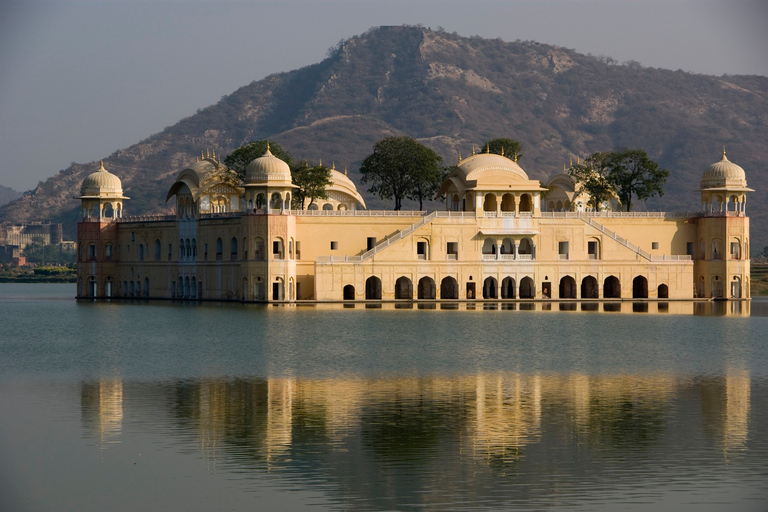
pixel 496 238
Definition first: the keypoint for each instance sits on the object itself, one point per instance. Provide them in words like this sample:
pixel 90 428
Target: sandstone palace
pixel 499 236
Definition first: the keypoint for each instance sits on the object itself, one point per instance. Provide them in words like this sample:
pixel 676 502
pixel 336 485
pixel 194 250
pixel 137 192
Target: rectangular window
pixel 371 243
pixel 275 247
pixel 91 252
pixel 421 250
pixel 563 250
pixel 334 245
pixel 689 248
pixel 655 245
pixel 592 249
pixel 453 250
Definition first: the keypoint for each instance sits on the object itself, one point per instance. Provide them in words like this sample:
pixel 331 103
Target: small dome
pixel 101 183
pixel 723 174
pixel 342 184
pixel 267 168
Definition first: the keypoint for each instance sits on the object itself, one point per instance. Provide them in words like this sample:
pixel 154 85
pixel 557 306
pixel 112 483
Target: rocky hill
pixel 451 92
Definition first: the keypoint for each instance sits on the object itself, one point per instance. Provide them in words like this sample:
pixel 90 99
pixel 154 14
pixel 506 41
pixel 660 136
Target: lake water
pixel 526 406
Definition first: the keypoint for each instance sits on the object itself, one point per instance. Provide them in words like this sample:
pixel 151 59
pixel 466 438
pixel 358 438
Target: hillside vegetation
pixel 451 92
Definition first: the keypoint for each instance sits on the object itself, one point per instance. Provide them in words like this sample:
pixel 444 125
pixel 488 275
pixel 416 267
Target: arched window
pixel 426 288
pixel 193 287
pixel 508 288
pixel 640 288
pixel 108 211
pixel 261 201
pixel 258 249
pixel 508 203
pixel 373 288
pixel 182 251
pixel 108 251
pixel 219 249
pixel 489 246
pixel 276 201
pixel 157 249
pixel 489 204
pixel 589 289
pixel 525 249
pixel 233 248
pixel 349 292
pixel 146 287
pixel 489 288
pixel 525 203
pixel 194 248
pixel 455 204
pixel 663 291
pixel 403 288
pixel 736 287
pixel 449 288
pixel 567 287
pixel 327 206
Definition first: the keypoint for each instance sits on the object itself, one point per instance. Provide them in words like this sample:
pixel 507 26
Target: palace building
pixel 499 236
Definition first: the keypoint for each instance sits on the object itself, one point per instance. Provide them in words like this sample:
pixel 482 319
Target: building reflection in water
pixel 490 419
pixel 102 409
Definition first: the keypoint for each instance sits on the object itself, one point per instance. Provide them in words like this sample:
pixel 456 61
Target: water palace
pixel 498 236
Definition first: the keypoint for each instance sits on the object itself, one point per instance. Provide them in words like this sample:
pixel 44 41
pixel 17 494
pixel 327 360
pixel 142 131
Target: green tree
pixel 632 173
pixel 593 178
pixel 510 148
pixel 239 159
pixel 37 251
pixel 401 167
pixel 311 180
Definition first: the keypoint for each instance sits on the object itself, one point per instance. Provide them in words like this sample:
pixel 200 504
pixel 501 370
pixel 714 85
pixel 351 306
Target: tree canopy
pixel 239 159
pixel 634 174
pixel 625 173
pixel 510 148
pixel 593 176
pixel 401 167
pixel 311 180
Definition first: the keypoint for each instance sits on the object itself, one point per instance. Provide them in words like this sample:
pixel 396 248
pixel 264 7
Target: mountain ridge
pixel 452 92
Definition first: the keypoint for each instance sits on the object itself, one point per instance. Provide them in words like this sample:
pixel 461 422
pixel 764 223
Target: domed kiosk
pixel 268 183
pixel 101 195
pixel 724 188
pixel 491 185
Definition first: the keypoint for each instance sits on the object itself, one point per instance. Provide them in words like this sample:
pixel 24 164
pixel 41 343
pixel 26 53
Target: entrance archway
pixel 373 288
pixel 640 288
pixel 426 288
pixel 589 288
pixel 611 288
pixel 489 288
pixel 403 288
pixel 508 286
pixel 567 288
pixel 449 288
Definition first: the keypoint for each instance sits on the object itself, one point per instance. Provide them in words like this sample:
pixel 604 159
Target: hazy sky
pixel 81 79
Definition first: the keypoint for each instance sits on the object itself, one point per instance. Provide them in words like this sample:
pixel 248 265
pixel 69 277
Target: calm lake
pixel 127 406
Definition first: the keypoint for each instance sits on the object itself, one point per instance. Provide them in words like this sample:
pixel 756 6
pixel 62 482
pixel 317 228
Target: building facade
pixel 499 236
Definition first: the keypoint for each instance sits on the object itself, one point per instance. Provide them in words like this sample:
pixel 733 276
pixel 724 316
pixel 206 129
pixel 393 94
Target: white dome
pixel 477 164
pixel 101 183
pixel 267 168
pixel 723 174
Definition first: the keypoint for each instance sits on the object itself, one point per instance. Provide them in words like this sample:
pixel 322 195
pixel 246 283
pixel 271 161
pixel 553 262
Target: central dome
pixel 482 162
pixel 723 174
pixel 267 168
pixel 101 183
